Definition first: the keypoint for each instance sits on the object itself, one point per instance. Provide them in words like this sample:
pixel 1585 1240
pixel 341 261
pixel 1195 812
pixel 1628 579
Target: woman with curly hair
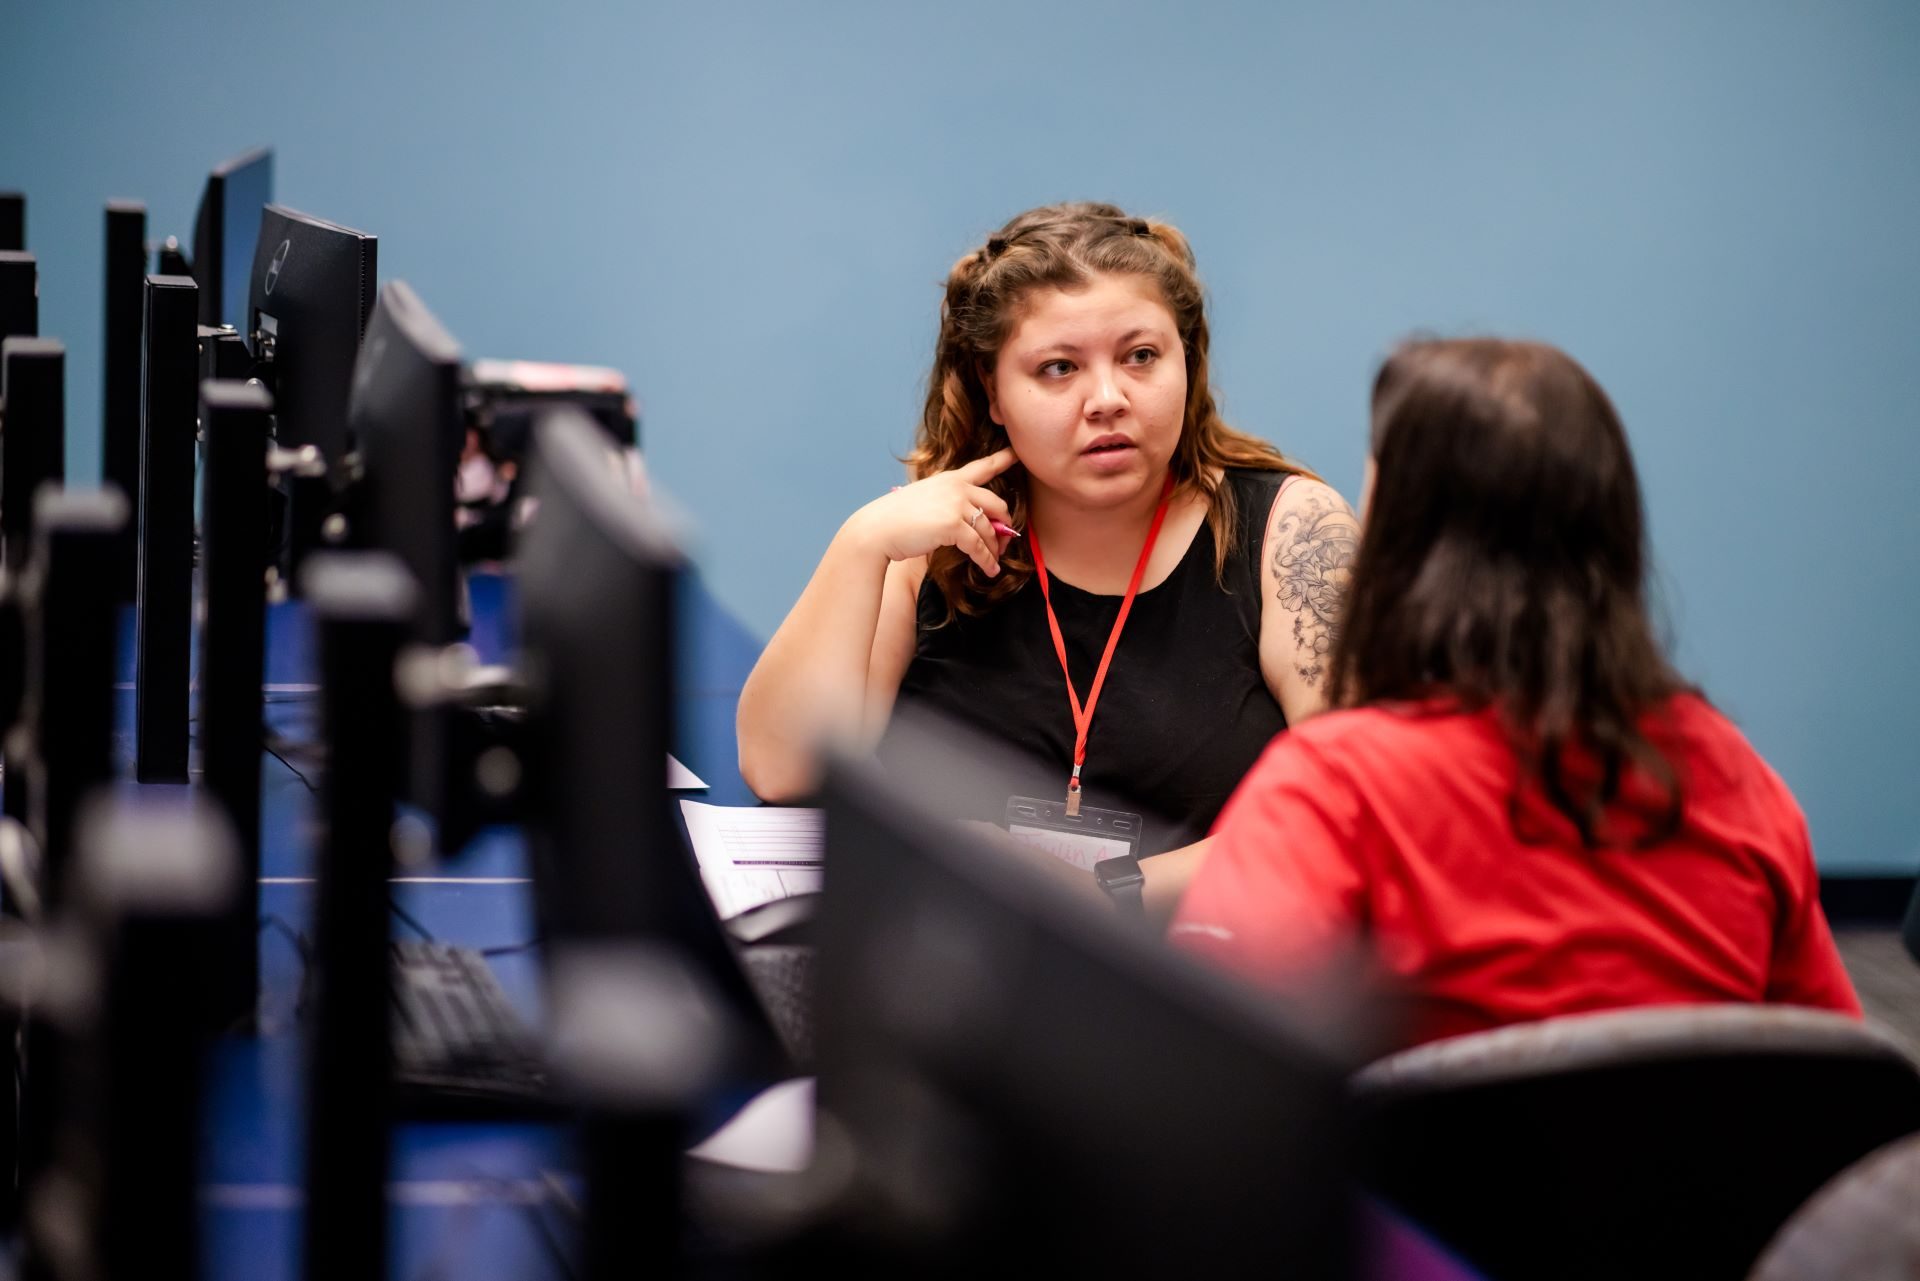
pixel 1089 564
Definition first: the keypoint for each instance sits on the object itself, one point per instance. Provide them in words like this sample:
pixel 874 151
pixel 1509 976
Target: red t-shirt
pixel 1397 826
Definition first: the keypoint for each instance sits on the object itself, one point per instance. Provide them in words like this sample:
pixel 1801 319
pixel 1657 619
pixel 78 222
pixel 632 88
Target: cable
pixel 303 948
pixel 508 949
pixel 293 936
pixel 305 781
pixel 409 919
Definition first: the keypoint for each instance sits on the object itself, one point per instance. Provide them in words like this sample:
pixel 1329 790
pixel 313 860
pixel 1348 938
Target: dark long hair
pixel 1063 247
pixel 1503 564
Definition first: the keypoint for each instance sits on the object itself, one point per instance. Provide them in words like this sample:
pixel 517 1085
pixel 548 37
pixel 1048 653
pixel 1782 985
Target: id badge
pixel 1081 840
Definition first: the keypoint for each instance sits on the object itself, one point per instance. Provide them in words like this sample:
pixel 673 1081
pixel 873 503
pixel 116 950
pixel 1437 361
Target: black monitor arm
pixel 483 712
pixel 304 514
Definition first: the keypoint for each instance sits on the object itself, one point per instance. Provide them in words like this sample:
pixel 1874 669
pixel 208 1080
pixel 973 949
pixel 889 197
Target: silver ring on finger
pixel 974 520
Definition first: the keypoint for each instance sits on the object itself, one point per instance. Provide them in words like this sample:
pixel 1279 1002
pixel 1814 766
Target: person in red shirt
pixel 1517 807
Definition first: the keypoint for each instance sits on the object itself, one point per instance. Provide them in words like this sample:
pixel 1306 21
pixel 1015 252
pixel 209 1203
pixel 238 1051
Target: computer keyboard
pixel 459 1047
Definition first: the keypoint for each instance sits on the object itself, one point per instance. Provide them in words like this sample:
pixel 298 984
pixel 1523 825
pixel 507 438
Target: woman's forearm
pixel 1167 877
pixel 810 681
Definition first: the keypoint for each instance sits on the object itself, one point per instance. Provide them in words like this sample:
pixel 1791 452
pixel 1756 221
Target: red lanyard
pixel 1083 717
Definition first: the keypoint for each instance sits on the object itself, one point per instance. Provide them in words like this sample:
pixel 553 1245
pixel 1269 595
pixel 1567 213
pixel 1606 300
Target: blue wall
pixel 749 208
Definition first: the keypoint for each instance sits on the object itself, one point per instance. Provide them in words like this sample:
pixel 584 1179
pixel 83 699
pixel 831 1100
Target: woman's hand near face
pixel 949 509
pixel 833 667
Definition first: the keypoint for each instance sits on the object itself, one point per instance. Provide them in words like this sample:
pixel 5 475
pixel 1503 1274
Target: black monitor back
pixel 13 221
pixel 225 231
pixel 598 575
pixel 405 417
pixel 311 295
pixel 19 294
pixel 1023 1073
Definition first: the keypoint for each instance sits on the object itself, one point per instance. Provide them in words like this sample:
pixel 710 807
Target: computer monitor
pixel 224 233
pixel 504 399
pixel 235 423
pixel 311 296
pixel 33 442
pixel 169 259
pixel 163 516
pixel 405 418
pixel 13 221
pixel 65 736
pixel 19 295
pixel 598 571
pixel 636 1043
pixel 33 435
pixel 124 277
pixel 127 1045
pixel 1007 1062
pixel 361 602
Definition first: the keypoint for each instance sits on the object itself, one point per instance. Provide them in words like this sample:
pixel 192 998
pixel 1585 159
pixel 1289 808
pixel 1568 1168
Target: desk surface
pixel 469 1200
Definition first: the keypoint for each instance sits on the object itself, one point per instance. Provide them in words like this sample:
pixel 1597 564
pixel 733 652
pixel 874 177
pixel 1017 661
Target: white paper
pixel 1075 849
pixel 682 779
pixel 773 1133
pixel 754 855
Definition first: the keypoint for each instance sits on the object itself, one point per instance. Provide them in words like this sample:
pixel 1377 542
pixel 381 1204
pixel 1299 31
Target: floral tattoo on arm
pixel 1313 549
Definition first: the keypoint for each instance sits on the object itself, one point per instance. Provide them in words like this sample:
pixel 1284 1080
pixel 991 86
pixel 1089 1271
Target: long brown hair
pixel 1063 247
pixel 1503 563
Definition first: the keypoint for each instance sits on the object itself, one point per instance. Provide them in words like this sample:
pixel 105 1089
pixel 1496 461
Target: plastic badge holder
pixel 1081 840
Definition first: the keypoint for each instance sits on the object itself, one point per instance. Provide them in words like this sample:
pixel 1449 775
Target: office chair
pixel 1669 1141
pixel 1864 1225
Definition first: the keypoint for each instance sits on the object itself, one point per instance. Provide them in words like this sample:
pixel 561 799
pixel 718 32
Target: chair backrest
pixel 1655 1142
pixel 1864 1225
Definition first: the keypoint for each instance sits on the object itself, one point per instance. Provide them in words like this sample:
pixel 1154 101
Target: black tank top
pixel 1185 710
